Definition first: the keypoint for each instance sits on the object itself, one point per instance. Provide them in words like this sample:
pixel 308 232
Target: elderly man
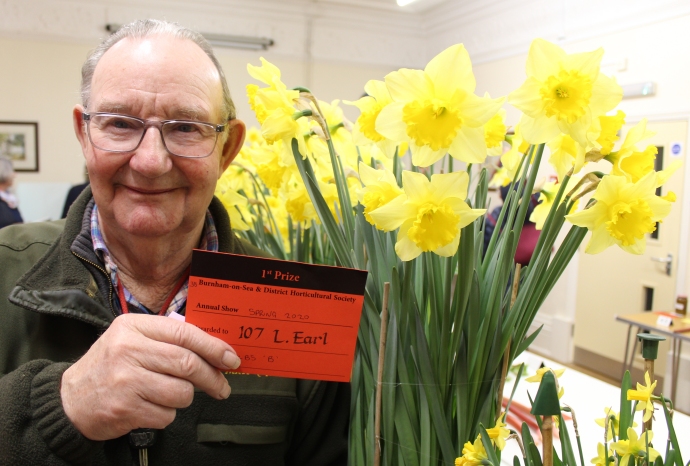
pixel 85 359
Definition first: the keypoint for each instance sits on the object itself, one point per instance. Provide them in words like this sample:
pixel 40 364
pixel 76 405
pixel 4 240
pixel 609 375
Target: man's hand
pixel 139 372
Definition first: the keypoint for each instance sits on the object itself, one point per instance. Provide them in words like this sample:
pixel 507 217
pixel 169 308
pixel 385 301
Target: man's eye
pixel 186 128
pixel 121 124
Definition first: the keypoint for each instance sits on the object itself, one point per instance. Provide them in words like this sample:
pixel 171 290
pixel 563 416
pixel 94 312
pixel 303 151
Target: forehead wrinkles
pixel 172 76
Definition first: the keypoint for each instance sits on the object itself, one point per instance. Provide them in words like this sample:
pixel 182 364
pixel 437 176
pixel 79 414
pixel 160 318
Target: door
pixel 615 282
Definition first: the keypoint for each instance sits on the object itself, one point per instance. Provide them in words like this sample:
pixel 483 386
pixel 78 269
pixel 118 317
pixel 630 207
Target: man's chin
pixel 148 221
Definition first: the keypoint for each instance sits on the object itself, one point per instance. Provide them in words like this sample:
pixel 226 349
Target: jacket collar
pixel 66 281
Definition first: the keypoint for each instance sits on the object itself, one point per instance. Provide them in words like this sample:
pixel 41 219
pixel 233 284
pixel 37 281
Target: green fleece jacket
pixel 54 304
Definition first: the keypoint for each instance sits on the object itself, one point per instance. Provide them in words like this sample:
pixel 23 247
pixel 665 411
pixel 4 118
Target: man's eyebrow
pixel 187 113
pixel 113 107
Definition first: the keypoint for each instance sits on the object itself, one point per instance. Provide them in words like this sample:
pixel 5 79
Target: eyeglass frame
pixel 158 124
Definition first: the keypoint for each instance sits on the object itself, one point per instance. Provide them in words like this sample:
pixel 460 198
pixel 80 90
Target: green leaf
pixel 430 389
pixel 672 435
pixel 490 452
pixel 527 341
pixel 626 414
pixel 534 454
pixel 526 441
pixel 566 444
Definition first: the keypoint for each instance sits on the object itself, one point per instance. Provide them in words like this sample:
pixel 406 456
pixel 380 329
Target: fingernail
pixel 230 360
pixel 225 392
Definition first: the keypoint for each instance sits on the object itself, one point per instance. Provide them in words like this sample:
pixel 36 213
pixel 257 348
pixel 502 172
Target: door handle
pixel 668 260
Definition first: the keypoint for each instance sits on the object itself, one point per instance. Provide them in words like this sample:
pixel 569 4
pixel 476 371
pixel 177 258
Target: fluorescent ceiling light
pixel 631 91
pixel 405 2
pixel 223 40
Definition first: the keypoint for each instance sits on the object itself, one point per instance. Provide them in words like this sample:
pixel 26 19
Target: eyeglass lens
pixel 119 133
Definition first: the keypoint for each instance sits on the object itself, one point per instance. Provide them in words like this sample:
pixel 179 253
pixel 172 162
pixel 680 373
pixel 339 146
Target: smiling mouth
pixel 149 192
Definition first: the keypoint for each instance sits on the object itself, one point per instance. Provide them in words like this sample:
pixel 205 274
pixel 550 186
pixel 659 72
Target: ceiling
pixel 417 6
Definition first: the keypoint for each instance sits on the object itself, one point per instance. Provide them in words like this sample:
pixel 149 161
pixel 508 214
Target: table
pixel 678 332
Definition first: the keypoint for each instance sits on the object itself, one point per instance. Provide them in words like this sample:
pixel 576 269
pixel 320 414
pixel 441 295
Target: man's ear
pixel 236 133
pixel 80 127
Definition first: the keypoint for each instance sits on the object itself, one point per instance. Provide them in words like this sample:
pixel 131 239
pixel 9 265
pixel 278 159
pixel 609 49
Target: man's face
pixel 150 192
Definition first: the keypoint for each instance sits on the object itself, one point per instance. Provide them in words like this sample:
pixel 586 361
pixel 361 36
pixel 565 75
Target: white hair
pixel 145 28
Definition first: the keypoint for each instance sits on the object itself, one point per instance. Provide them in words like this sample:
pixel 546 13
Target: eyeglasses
pixel 113 132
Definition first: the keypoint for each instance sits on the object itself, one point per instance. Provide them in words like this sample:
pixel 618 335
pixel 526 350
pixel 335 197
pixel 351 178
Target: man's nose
pixel 151 158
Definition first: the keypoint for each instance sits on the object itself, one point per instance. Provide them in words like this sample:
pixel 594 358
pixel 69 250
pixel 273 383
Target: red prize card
pixel 285 319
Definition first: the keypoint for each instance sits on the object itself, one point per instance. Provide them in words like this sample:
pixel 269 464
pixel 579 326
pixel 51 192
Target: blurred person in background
pixel 9 213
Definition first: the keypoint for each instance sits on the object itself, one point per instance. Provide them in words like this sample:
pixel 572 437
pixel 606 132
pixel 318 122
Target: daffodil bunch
pixel 318 188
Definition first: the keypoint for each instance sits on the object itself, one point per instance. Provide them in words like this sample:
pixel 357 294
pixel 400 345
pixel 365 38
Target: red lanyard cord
pixel 178 286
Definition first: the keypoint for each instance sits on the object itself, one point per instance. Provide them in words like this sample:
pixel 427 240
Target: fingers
pixel 216 352
pixel 186 366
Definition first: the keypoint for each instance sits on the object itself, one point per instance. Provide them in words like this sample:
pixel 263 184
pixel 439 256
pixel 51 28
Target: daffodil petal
pixel 586 63
pixel 416 185
pixel 405 248
pixel 599 241
pixel 527 97
pixel 476 110
pixel 577 129
pixel 450 185
pixel 543 59
pixel 450 70
pixel 390 124
pixel 405 85
pixel 387 147
pixel 538 130
pixel 469 145
pixel 663 175
pixel 423 156
pixel 606 94
pixel 378 90
pixel 392 215
pixel 588 217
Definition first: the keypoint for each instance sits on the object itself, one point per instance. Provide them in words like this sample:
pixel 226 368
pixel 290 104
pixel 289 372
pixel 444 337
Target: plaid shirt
pixel 209 242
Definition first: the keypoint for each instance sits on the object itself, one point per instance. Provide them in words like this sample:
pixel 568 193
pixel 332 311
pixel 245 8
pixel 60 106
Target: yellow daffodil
pixel 613 423
pixel 235 204
pixel 501 177
pixel 566 155
pixel 271 165
pixel 628 161
pixel 540 373
pixel 563 93
pixel 603 457
pixel 298 204
pixel 364 131
pixel 632 163
pixel 547 196
pixel 635 447
pixel 430 215
pixel 473 454
pixel 608 129
pixel 276 108
pixel 264 100
pixel 498 433
pixel 518 147
pixel 643 396
pixel 624 214
pixel 436 110
pixel 495 132
pixel 380 187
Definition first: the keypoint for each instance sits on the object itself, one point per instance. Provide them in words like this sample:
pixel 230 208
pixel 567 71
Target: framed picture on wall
pixel 19 142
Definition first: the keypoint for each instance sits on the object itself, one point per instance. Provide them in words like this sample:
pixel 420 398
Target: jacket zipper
pixel 105 272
